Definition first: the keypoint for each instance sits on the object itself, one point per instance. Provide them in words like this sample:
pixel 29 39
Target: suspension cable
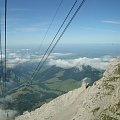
pixel 5 64
pixel 61 35
pixel 45 35
pixel 1 53
pixel 49 27
pixel 79 7
pixel 53 40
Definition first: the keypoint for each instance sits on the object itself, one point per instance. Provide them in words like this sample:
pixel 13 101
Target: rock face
pixel 98 102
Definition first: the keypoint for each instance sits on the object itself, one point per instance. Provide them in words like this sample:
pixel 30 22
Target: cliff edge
pixel 98 102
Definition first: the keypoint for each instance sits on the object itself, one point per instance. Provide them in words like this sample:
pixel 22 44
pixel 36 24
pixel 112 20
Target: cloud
pixel 16 9
pixel 17 58
pixel 30 29
pixel 25 49
pixel 98 29
pixel 111 22
pixel 3 56
pixel 7 114
pixel 98 63
pixel 58 59
pixel 43 24
pixel 27 29
pixel 33 27
pixel 12 54
pixel 60 54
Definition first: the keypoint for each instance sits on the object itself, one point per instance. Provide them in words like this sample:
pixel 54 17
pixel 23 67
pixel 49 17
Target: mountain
pixel 49 84
pixel 101 101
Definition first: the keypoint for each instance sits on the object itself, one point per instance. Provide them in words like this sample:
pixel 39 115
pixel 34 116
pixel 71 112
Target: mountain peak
pixel 113 69
pixel 98 102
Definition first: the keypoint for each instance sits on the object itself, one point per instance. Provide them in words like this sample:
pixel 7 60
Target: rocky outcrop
pixel 98 102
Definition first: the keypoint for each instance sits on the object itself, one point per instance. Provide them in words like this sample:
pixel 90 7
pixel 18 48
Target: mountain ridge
pixel 98 102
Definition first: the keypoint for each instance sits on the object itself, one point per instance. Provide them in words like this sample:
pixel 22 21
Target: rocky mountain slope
pixel 98 102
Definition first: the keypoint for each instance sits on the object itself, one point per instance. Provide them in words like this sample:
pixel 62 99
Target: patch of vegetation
pixel 27 100
pixel 107 117
pixel 64 86
pixel 118 114
pixel 112 79
pixel 78 75
pixel 59 74
pixel 117 71
pixel 116 107
pixel 95 110
pixel 109 88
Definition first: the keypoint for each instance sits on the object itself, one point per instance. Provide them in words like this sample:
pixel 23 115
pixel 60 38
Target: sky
pixel 98 21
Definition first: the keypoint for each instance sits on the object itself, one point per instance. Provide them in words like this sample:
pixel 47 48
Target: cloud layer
pixel 57 59
pixel 98 63
pixel 16 58
pixel 111 22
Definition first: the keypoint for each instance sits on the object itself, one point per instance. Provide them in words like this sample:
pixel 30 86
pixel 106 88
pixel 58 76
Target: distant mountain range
pixel 49 84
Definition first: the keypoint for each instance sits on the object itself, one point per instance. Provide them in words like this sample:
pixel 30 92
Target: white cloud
pixel 33 27
pixel 98 63
pixel 61 54
pixel 3 55
pixel 44 24
pixel 16 61
pixel 7 114
pixel 16 9
pixel 111 22
pixel 98 29
pixel 4 116
pixel 25 49
pixel 30 29
pixel 27 29
pixel 55 59
pixel 14 58
pixel 12 54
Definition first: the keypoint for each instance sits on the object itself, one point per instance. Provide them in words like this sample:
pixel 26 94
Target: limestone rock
pixel 98 102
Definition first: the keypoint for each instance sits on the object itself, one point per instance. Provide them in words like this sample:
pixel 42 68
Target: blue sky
pixel 27 21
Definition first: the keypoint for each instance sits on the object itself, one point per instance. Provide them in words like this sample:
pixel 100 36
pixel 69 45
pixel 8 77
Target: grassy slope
pixel 54 82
